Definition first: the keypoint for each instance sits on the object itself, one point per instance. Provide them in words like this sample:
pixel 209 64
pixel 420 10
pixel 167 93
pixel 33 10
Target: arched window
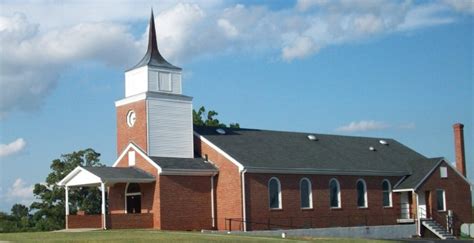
pixel 361 194
pixel 334 193
pixel 306 193
pixel 274 193
pixel 387 193
pixel 133 198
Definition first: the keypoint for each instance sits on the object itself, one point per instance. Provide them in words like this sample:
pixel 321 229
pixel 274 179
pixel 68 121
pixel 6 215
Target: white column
pixel 67 205
pixel 102 188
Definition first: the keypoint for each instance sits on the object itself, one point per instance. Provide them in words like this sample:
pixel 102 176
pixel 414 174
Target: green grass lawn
pixel 156 235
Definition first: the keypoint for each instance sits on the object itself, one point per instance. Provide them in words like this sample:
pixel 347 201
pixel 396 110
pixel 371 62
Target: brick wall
pixel 150 191
pixel 291 214
pixel 458 196
pixel 84 221
pixel 137 133
pixel 228 186
pixel 185 202
pixel 130 221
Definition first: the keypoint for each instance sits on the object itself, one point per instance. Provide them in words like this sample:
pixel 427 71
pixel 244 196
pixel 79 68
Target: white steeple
pixel 153 73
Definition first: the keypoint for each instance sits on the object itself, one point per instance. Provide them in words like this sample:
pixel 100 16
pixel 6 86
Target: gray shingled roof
pixel 120 174
pixel 419 169
pixel 263 149
pixel 196 163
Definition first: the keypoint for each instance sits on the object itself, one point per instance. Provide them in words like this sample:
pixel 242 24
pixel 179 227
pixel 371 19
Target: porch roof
pixel 91 176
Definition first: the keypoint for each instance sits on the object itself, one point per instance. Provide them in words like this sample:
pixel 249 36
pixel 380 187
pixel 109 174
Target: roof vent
pixel 312 137
pixel 383 142
pixel 220 131
pixel 371 148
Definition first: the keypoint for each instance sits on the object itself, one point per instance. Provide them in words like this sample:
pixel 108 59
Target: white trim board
pixel 140 152
pixel 226 155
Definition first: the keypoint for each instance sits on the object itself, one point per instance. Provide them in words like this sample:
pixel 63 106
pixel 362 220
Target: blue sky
pixel 393 69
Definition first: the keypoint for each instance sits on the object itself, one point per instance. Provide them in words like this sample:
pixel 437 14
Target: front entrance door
pixel 134 203
pixel 428 204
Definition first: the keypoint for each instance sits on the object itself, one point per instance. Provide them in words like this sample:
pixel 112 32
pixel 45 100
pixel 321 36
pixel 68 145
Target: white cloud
pixel 363 126
pixel 466 6
pixel 228 28
pixel 12 148
pixel 20 192
pixel 300 48
pixel 32 62
pixel 55 37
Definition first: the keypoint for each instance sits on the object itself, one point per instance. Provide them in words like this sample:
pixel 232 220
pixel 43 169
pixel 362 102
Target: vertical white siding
pixel 170 128
pixel 136 81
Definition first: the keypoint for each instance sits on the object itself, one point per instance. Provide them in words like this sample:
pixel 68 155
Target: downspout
pixel 418 221
pixel 213 212
pixel 244 214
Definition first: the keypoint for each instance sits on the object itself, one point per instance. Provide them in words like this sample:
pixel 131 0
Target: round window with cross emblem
pixel 131 118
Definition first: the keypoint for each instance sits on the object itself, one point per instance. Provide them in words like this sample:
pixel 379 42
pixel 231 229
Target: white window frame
pixel 130 194
pixel 366 203
pixel 389 194
pixel 279 194
pixel 444 200
pixel 310 195
pixel 443 172
pixel 339 203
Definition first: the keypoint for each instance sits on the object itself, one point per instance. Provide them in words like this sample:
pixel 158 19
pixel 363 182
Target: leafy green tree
pixel 201 118
pixel 19 211
pixel 49 209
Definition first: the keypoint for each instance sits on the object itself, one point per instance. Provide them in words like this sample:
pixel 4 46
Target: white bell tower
pixel 162 116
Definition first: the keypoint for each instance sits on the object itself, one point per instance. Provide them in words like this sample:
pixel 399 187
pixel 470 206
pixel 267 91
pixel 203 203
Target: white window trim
pixel 310 190
pixel 130 194
pixel 389 194
pixel 131 158
pixel 279 194
pixel 444 200
pixel 339 203
pixel 366 203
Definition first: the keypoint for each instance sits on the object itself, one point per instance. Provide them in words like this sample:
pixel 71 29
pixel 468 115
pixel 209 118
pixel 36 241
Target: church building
pixel 172 175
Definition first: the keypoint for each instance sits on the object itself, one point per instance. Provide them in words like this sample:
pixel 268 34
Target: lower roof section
pixel 93 176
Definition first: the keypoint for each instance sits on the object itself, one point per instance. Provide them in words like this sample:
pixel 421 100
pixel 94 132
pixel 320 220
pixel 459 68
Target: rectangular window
pixel 165 81
pixel 443 172
pixel 441 200
pixel 131 158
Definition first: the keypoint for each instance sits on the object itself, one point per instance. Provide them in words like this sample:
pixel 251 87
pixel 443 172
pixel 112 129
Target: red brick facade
pixel 260 216
pixel 228 186
pixel 458 196
pixel 84 221
pixel 185 202
pixel 136 134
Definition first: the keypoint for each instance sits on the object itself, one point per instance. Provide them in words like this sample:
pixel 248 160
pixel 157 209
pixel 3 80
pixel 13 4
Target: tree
pixel 49 210
pixel 19 211
pixel 200 118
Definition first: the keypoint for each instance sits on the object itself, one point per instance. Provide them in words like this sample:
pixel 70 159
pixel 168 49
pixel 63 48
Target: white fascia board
pixel 457 172
pixel 140 152
pixel 131 99
pixel 185 172
pixel 404 190
pixel 69 176
pixel 92 179
pixel 227 156
pixel 323 172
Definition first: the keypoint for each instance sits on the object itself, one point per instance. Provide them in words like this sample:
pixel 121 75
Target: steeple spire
pixel 152 56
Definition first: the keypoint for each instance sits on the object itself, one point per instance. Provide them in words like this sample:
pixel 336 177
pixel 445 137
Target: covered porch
pixel 131 178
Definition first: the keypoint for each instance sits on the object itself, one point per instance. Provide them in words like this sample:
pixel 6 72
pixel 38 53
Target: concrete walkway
pixel 77 230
